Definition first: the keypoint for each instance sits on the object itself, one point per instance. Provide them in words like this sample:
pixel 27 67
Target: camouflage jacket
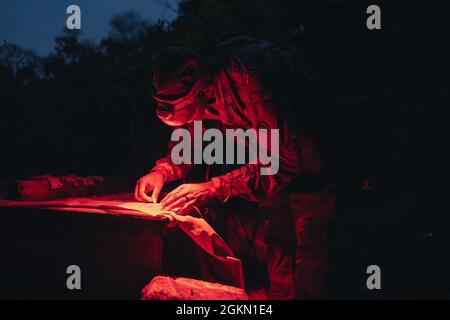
pixel 244 72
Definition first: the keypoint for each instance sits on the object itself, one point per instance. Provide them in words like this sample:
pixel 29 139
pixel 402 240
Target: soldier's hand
pixel 152 182
pixel 187 195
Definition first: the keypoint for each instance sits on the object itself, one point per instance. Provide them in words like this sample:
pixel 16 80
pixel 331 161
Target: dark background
pixel 86 109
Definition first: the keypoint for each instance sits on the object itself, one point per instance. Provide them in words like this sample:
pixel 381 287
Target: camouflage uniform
pixel 246 76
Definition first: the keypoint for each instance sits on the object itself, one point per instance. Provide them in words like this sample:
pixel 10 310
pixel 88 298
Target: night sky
pixel 34 24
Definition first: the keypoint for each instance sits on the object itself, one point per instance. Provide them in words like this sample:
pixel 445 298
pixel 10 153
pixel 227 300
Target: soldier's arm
pixel 248 181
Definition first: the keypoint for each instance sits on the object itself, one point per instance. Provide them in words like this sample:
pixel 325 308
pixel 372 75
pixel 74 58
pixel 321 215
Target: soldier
pixel 241 83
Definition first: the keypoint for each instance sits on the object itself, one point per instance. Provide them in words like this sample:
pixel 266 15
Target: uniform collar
pixel 215 108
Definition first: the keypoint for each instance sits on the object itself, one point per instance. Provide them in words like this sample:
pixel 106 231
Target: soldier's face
pixel 175 117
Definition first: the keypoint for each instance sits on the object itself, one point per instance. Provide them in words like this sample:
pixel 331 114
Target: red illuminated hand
pixel 187 195
pixel 154 181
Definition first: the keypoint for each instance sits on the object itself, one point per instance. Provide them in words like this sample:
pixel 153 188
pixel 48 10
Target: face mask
pixel 176 116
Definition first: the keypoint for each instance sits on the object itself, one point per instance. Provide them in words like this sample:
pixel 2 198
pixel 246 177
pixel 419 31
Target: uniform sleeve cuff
pixel 222 189
pixel 163 171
